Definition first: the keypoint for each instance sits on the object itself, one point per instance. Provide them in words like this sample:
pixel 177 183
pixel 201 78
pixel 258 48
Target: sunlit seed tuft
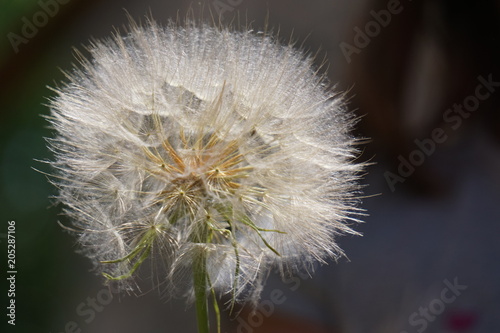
pixel 175 141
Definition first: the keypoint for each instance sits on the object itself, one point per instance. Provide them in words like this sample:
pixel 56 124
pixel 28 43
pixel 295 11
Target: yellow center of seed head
pixel 199 170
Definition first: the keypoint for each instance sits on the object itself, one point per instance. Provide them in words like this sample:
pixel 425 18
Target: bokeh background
pixel 436 227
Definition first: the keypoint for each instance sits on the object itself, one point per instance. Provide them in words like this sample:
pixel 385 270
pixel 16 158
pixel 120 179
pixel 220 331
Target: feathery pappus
pixel 196 145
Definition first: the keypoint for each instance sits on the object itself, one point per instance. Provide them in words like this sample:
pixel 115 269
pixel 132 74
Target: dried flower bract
pixel 180 143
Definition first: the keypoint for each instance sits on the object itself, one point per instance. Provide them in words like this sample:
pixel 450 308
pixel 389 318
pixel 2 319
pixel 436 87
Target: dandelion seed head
pixel 174 140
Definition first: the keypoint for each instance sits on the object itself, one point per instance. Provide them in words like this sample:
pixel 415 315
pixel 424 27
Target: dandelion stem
pixel 200 292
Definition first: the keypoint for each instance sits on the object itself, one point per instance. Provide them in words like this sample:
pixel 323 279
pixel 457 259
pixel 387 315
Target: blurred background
pixel 424 78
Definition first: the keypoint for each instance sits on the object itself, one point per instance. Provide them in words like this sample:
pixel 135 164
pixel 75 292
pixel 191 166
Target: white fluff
pixel 174 140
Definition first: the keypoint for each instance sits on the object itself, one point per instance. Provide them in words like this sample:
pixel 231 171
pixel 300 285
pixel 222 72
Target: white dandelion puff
pixel 195 145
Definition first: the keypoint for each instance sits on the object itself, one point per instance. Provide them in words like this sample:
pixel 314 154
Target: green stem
pixel 200 292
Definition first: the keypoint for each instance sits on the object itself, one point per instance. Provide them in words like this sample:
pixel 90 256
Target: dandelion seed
pixel 202 151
